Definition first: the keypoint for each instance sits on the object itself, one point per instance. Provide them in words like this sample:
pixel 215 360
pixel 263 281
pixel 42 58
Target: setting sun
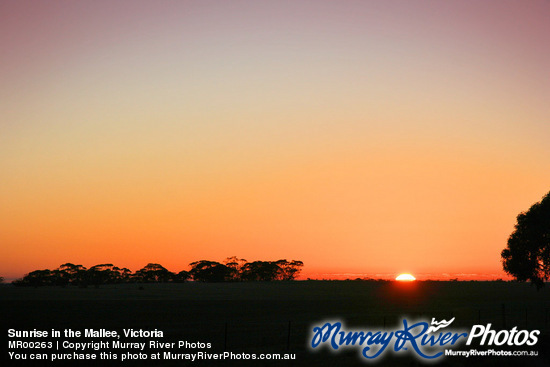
pixel 405 277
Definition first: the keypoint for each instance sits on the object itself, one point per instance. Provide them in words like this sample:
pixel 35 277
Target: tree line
pixel 231 270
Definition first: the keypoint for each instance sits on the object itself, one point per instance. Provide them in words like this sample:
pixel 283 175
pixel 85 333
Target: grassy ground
pixel 278 317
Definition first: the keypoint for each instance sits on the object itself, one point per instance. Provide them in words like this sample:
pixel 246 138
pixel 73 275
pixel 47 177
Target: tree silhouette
pixel 36 278
pixel 527 256
pixel 102 274
pixel 260 271
pixel 125 275
pixel 181 277
pixel 271 270
pixel 210 271
pixel 154 273
pixel 235 264
pixel 289 270
pixel 74 274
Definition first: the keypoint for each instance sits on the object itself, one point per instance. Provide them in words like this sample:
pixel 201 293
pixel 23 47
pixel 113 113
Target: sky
pixel 365 138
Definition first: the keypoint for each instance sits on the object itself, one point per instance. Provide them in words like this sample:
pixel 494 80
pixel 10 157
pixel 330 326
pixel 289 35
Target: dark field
pixel 278 317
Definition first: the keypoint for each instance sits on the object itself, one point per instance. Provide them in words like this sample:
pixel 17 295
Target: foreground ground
pixel 278 317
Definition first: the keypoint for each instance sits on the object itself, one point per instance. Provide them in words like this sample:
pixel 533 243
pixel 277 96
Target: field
pixel 278 317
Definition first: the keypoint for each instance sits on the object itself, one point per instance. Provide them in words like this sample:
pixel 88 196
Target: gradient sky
pixel 361 137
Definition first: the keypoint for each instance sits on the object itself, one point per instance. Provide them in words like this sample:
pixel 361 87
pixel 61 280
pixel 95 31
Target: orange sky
pixel 365 139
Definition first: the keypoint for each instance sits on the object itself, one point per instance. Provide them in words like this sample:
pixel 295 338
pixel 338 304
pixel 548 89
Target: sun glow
pixel 405 277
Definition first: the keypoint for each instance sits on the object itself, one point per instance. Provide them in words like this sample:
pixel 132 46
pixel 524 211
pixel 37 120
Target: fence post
pixel 225 338
pixel 503 316
pixel 288 337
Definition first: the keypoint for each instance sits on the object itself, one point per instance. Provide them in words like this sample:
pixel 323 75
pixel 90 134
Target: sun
pixel 405 277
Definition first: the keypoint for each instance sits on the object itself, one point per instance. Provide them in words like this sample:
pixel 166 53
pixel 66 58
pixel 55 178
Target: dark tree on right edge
pixel 527 256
